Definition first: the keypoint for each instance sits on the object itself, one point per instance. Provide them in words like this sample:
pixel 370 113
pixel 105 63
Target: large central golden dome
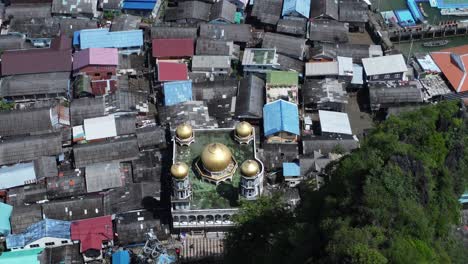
pixel 216 157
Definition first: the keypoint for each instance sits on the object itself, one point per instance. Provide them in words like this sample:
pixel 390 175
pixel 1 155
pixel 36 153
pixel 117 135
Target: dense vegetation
pixel 392 201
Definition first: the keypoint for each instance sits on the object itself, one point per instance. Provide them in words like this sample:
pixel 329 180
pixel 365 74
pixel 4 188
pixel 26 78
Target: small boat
pixel 436 43
pixel 422 10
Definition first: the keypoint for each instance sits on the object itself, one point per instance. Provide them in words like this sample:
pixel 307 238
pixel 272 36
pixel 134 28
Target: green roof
pixel 5 213
pixel 207 195
pixel 29 256
pixel 282 77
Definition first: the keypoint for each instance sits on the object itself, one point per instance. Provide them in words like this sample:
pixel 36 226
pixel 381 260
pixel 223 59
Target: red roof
pixel 58 58
pixel 170 48
pixel 91 232
pixel 453 66
pixel 460 50
pixel 172 71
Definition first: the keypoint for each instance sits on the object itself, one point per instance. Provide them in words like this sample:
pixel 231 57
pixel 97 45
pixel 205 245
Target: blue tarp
pixel 17 175
pixel 102 38
pixel 280 116
pixel 301 7
pixel 121 257
pixel 291 169
pixel 177 92
pixel 140 5
pixel 413 7
pixel 44 228
pixel 166 259
pixel 5 213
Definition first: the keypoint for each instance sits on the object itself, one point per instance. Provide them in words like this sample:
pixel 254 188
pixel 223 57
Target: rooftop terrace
pixel 207 195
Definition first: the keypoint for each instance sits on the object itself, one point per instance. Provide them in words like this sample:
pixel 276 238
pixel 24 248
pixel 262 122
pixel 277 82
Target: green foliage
pixel 395 200
pixel 4 105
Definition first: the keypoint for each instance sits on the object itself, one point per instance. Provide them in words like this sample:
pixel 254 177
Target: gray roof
pixel 287 64
pixel 69 254
pixel 147 168
pixel 328 31
pixel 125 22
pixel 328 90
pixel 102 176
pixel 24 216
pixel 353 11
pixel 14 42
pixel 35 10
pixel 132 227
pixel 25 122
pixel 384 64
pixel 326 145
pixel 45 167
pixel 55 83
pixel 324 8
pixel 163 32
pixel 76 209
pixel 36 27
pixel 292 26
pixel 250 98
pixel 193 112
pixel 356 51
pixel 287 45
pixel 111 5
pixel 131 197
pixel 267 11
pixel 230 32
pixel 223 10
pixel 188 10
pixel 75 7
pixel 29 148
pixel 127 101
pixel 395 95
pixel 275 154
pixel 125 124
pixel 69 25
pixel 84 108
pixel 213 47
pixel 151 136
pixel 113 150
pixel 29 194
pixel 202 62
pixel 72 183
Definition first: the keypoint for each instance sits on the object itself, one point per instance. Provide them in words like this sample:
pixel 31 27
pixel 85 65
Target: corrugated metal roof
pixel 163 48
pixel 5 213
pixel 170 71
pixel 17 175
pixel 280 116
pixel 21 256
pixel 95 56
pixel 91 232
pixel 384 65
pixel 102 176
pixel 177 92
pixel 100 127
pixel 300 6
pixel 335 122
pixel 291 169
pixel 102 38
pixel 357 74
pixel 139 4
pixel 44 228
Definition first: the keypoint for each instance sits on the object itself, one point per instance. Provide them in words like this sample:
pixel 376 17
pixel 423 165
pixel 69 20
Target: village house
pixel 385 68
pixel 282 85
pixel 211 64
pixel 259 60
pixel 281 122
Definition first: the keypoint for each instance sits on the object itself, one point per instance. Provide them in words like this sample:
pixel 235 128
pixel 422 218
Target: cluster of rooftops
pixel 249 95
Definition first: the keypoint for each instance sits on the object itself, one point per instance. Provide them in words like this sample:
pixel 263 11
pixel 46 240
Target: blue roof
pixel 102 38
pixel 16 175
pixel 302 7
pixel 44 228
pixel 280 116
pixel 76 38
pixel 177 92
pixel 291 169
pixel 121 257
pixel 139 5
pixel 5 213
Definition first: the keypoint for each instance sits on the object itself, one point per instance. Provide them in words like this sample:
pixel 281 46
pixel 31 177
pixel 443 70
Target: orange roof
pixel 460 50
pixel 455 75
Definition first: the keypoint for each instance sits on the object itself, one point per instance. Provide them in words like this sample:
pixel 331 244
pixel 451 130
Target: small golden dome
pixel 250 168
pixel 179 170
pixel 184 131
pixel 216 157
pixel 244 129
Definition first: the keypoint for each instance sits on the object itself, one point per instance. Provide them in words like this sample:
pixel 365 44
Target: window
pixel 397 75
pixel 375 77
pixel 50 243
pixel 97 74
pixel 64 241
pixel 387 76
pixel 34 246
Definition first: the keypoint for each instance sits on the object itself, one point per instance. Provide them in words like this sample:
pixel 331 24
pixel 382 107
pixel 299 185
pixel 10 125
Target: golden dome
pixel 244 129
pixel 179 170
pixel 216 157
pixel 184 131
pixel 250 168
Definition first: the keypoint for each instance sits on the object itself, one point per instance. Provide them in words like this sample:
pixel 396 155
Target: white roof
pixel 345 66
pixel 100 127
pixel 321 68
pixel 335 122
pixel 384 65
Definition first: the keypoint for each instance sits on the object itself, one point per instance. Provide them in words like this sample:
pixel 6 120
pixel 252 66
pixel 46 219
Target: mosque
pixel 212 170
